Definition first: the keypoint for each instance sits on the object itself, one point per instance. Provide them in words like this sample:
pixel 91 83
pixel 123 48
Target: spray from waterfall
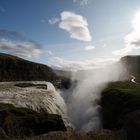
pixel 83 98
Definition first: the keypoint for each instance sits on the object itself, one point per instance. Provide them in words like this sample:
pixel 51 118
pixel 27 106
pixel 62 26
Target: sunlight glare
pixel 136 22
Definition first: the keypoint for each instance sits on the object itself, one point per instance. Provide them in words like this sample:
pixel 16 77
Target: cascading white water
pixel 82 100
pixel 34 98
pixel 82 103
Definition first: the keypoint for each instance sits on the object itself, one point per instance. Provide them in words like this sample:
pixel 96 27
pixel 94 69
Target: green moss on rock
pixel 13 68
pixel 20 122
pixel 121 108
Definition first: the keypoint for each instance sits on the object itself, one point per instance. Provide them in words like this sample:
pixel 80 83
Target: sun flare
pixel 136 21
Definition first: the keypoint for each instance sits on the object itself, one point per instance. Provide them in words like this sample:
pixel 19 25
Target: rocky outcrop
pixel 132 64
pixel 132 125
pixel 21 122
pixel 121 108
pixel 116 106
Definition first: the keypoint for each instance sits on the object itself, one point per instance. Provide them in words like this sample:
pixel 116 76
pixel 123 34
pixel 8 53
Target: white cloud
pixel 81 2
pixel 132 40
pixel 75 25
pixel 24 49
pixel 14 42
pixel 90 47
pixel 60 63
pixel 53 20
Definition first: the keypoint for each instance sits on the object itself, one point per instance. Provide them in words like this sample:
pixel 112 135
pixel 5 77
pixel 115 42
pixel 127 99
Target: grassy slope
pixel 13 68
pixel 126 87
pixel 120 102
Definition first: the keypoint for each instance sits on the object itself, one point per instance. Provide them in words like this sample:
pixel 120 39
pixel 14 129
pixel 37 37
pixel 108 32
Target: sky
pixel 70 34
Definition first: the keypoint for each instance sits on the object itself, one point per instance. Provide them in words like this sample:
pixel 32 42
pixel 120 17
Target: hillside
pixel 20 122
pixel 121 108
pixel 13 68
pixel 120 100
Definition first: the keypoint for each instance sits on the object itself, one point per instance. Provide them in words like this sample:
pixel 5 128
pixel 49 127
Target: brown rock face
pixel 71 135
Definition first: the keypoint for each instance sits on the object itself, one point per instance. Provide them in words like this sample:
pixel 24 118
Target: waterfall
pixel 33 96
pixel 40 96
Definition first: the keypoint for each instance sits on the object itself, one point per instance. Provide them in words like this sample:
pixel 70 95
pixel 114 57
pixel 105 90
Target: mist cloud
pixel 75 25
pixel 84 96
pixel 74 65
